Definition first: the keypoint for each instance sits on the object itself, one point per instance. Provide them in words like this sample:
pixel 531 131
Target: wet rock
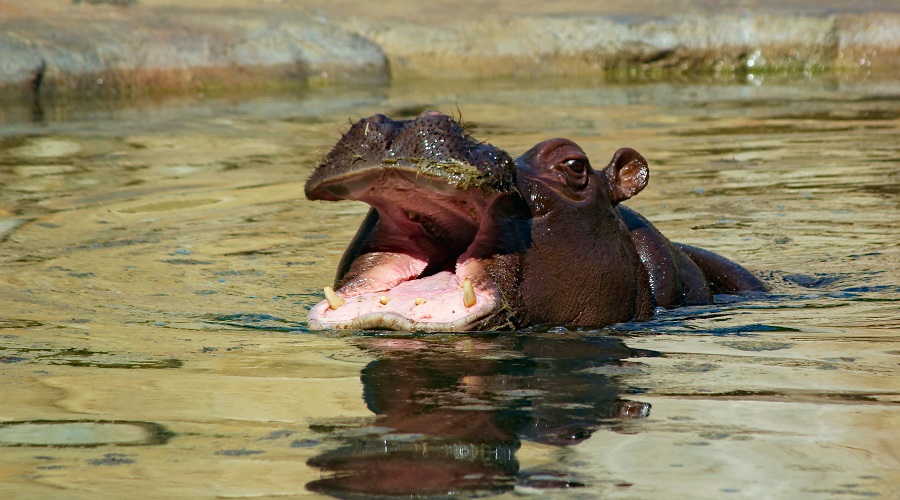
pixel 114 49
pixel 21 65
pixel 757 345
pixel 8 225
pixel 81 433
pixel 113 459
pixel 104 50
pixel 590 44
pixel 239 452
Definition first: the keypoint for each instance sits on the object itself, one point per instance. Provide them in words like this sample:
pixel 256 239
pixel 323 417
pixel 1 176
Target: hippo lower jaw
pixel 440 302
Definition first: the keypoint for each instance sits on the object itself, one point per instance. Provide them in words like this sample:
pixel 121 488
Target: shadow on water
pixel 453 410
pixel 261 322
pixel 82 358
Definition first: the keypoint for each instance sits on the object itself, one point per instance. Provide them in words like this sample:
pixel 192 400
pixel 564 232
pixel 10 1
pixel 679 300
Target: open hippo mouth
pixel 418 260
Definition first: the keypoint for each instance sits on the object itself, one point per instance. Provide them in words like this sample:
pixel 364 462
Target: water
pixel 158 259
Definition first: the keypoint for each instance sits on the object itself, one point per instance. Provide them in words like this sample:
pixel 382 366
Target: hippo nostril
pixel 430 113
pixel 379 127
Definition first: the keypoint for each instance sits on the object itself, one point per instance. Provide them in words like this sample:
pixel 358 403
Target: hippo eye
pixel 576 165
pixel 574 171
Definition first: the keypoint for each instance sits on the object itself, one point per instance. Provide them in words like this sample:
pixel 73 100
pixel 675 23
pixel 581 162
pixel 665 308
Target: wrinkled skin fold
pixel 461 237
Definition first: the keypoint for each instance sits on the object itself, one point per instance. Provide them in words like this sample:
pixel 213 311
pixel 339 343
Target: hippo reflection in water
pixel 451 413
pixel 461 237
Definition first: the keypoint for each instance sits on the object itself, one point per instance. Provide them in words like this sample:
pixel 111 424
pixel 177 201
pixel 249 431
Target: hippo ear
pixel 627 174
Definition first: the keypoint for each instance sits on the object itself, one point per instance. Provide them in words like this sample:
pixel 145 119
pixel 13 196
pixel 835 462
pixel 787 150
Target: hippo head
pixel 428 256
pixel 556 176
pixel 461 237
pixel 582 267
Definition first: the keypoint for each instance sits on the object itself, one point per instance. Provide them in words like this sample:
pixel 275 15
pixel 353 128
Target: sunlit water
pixel 157 262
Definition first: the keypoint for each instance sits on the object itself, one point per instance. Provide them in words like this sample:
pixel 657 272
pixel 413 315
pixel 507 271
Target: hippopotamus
pixel 462 237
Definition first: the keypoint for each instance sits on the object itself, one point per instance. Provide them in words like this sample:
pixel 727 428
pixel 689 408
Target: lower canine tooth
pixel 420 301
pixel 384 300
pixel 468 293
pixel 333 300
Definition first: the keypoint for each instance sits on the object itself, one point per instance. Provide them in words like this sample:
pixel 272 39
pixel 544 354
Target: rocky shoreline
pixel 118 48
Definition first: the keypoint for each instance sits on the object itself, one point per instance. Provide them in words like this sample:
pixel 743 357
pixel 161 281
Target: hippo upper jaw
pixel 419 260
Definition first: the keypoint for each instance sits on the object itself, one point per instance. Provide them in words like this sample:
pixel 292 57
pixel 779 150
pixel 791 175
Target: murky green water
pixel 157 262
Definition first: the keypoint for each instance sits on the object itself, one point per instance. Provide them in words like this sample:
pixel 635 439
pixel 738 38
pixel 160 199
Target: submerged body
pixel 461 237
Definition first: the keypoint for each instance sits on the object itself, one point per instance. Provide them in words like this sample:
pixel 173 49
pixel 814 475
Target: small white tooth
pixel 333 300
pixel 420 301
pixel 384 299
pixel 468 293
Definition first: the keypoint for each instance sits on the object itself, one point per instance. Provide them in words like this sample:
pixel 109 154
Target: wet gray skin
pixel 425 256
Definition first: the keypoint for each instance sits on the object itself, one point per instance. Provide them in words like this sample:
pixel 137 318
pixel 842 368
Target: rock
pixel 180 51
pixel 545 45
pixel 117 46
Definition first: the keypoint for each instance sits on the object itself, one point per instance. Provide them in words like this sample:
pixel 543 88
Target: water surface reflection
pixel 452 411
pixel 157 262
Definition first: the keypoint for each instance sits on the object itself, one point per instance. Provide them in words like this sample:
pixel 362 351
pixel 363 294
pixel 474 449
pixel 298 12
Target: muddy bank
pixel 122 46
